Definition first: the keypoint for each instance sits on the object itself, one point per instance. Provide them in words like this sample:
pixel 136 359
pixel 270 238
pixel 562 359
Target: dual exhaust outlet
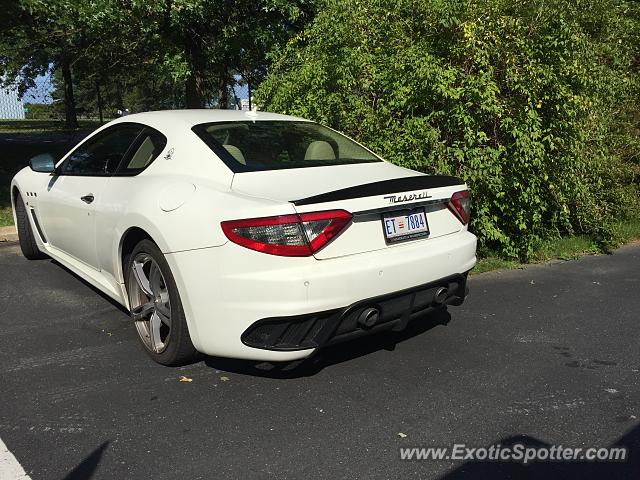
pixel 370 315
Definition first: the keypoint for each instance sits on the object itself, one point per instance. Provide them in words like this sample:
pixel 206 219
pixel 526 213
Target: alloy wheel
pixel 150 302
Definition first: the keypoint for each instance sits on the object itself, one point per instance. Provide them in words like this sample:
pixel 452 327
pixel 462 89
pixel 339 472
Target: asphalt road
pixel 547 355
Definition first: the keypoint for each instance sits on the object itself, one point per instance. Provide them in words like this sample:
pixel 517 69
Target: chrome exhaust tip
pixel 441 295
pixel 369 317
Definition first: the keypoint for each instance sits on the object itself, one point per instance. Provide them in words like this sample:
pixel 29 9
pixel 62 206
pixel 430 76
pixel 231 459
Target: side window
pixel 102 154
pixel 144 151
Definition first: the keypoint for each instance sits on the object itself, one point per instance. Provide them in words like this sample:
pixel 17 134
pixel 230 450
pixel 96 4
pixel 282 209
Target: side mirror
pixel 43 163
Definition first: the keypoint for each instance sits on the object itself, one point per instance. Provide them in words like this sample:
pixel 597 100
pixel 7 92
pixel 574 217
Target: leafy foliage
pixel 533 103
pixel 143 54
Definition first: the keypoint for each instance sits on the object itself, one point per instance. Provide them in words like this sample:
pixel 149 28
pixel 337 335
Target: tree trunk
pixel 71 119
pixel 120 97
pixel 223 92
pixel 99 101
pixel 195 96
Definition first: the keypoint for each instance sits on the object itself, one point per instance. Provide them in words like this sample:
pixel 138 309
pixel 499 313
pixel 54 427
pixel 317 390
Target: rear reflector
pixel 460 205
pixel 288 235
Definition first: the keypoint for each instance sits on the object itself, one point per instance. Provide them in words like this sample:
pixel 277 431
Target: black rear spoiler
pixel 395 185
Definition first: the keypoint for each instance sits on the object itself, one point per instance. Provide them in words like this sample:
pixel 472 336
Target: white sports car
pixel 246 234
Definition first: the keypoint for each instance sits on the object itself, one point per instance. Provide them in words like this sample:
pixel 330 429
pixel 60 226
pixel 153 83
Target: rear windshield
pixel 249 146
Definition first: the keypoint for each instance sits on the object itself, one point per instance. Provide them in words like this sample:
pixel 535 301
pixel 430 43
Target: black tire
pixel 28 243
pixel 179 349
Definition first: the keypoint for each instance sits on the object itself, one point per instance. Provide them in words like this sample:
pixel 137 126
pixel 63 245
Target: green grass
pixel 567 248
pixel 6 217
pixel 489 263
pixel 628 231
pixel 44 126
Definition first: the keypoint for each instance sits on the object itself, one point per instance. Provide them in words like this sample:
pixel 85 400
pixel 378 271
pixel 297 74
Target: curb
pixel 8 234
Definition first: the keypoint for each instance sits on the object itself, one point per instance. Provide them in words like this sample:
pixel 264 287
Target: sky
pixel 41 93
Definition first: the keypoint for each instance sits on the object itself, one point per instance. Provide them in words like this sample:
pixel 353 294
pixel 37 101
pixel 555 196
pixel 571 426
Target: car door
pixel 68 205
pixel 119 190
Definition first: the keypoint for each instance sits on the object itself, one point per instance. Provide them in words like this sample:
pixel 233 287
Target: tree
pixel 106 52
pixel 22 53
pixel 39 36
pixel 206 44
pixel 519 98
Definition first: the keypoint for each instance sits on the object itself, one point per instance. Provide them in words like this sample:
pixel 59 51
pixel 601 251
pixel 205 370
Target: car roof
pixel 189 118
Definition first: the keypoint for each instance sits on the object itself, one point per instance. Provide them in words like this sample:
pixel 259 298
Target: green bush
pixel 533 103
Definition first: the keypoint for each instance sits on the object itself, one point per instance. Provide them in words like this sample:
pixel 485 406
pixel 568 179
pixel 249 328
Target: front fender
pixel 28 184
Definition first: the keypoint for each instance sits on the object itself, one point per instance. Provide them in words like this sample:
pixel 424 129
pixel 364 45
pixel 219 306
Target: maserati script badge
pixel 407 197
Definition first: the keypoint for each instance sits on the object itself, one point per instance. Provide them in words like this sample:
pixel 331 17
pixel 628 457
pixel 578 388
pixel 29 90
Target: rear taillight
pixel 288 235
pixel 460 205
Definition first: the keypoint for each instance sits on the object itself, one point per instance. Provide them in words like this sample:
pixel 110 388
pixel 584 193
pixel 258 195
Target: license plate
pixel 405 225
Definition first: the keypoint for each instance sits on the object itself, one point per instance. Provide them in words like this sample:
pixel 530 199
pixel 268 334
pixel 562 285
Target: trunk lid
pixel 368 191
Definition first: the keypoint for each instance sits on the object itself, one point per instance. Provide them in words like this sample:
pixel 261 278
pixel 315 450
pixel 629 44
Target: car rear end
pixel 347 259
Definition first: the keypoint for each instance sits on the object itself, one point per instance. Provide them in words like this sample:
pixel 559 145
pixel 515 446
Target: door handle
pixel 88 198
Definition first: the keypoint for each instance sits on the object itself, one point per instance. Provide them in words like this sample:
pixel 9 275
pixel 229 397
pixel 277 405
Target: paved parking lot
pixel 548 355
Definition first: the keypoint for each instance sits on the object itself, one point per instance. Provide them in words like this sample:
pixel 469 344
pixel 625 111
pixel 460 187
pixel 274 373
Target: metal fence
pixel 10 106
pixel 15 108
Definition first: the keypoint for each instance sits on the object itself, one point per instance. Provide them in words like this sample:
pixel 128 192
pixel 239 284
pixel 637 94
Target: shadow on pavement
pixel 87 284
pixel 88 466
pixel 549 470
pixel 325 357
pixel 332 355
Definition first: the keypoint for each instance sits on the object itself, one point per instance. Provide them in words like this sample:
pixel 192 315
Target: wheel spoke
pixel 141 312
pixel 155 279
pixel 141 278
pixel 154 332
pixel 164 314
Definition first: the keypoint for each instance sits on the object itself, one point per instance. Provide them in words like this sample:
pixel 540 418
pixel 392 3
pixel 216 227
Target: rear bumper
pixel 226 290
pixel 392 311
